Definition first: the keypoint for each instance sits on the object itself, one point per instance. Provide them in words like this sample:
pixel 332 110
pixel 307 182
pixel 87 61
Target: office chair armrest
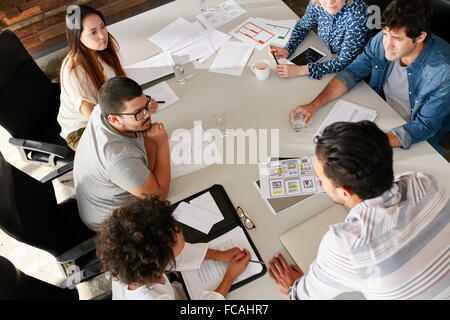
pixel 58 172
pixel 50 148
pixel 77 251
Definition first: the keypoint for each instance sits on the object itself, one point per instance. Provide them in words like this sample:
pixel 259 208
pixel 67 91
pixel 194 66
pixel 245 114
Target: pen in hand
pixel 273 54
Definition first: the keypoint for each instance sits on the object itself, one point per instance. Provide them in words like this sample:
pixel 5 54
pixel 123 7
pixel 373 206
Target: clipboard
pixel 230 221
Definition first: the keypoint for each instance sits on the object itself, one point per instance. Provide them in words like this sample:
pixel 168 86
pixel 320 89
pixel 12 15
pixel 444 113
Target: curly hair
pixel 135 242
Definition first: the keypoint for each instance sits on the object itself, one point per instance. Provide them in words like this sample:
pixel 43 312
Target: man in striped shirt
pixel 394 242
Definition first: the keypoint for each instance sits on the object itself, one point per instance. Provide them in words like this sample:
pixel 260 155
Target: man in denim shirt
pixel 407 64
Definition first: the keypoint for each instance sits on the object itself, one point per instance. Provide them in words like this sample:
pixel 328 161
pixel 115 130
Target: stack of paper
pixel 186 41
pixel 211 272
pixel 232 58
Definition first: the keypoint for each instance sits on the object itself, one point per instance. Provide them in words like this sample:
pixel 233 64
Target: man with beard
pixel 121 153
pixel 393 243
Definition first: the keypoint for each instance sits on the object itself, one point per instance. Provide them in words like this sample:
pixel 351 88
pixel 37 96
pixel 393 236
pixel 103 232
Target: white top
pixel 76 87
pixel 396 90
pixel 190 258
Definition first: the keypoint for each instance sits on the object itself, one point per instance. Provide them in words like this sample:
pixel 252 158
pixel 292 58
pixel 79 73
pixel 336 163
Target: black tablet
pixel 310 55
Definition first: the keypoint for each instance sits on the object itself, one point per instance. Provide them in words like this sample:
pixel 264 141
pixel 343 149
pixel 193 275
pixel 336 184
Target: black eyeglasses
pixel 248 222
pixel 140 115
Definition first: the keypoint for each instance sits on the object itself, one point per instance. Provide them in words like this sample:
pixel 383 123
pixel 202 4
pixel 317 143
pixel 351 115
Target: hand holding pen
pixel 283 274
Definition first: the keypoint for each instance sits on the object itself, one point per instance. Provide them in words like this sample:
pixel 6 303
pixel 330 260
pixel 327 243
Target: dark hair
pixel 357 156
pixel 414 15
pixel 81 55
pixel 135 242
pixel 115 92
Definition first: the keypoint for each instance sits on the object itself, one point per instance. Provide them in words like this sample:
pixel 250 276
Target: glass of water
pixel 221 122
pixel 298 123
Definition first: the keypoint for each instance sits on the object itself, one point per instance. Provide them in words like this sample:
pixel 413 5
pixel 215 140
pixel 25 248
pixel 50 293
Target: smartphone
pixel 310 55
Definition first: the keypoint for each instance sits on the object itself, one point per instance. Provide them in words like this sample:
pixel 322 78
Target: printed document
pixel 211 272
pixel 172 34
pixel 253 32
pixel 289 177
pixel 232 58
pixel 346 111
pixel 222 14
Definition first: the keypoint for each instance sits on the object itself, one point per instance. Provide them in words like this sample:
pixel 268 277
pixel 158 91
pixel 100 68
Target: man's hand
pixel 282 274
pixel 153 106
pixel 280 53
pixel 157 134
pixel 308 111
pixel 393 140
pixel 291 70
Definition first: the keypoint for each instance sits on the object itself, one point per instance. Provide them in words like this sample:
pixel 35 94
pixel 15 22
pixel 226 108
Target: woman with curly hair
pixel 141 241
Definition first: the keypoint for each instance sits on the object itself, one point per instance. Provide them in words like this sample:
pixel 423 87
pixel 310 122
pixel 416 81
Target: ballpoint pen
pixel 162 101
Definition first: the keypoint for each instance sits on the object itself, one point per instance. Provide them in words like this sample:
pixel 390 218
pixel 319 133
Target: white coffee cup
pixel 262 69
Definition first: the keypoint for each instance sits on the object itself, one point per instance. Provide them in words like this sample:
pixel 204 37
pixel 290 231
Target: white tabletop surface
pixel 253 104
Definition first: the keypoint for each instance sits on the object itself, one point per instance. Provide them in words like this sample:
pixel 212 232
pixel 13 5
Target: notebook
pixel 302 241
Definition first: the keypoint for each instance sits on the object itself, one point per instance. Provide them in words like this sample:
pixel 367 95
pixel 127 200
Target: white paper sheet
pixel 207 202
pixel 211 272
pixel 346 111
pixel 194 51
pixel 195 217
pixel 232 58
pixel 222 14
pixel 194 33
pixel 191 151
pixel 217 39
pixel 172 34
pixel 162 92
pixel 150 69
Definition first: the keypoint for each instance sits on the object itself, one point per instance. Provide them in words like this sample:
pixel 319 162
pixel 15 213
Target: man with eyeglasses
pixel 121 153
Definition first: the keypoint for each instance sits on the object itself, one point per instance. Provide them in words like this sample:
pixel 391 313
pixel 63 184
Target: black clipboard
pixel 230 221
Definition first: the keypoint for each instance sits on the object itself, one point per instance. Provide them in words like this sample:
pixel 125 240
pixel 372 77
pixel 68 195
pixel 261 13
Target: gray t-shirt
pixel 396 90
pixel 107 164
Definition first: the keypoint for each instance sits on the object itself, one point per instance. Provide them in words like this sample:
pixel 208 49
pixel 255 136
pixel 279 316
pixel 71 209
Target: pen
pixel 273 54
pixel 161 101
pixel 257 261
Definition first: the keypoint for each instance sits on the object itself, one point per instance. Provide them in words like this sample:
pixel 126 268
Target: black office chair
pixel 439 25
pixel 445 145
pixel 30 214
pixel 29 104
pixel 441 13
pixel 16 285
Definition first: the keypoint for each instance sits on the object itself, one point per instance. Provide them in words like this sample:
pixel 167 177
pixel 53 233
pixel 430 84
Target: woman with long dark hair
pixel 92 59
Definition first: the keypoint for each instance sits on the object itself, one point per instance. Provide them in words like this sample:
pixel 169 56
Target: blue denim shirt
pixel 429 87
pixel 345 33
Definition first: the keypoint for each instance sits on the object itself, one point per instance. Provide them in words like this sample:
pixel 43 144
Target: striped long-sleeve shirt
pixel 396 246
pixel 345 34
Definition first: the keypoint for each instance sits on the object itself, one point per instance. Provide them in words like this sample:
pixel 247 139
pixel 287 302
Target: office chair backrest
pixel 441 15
pixel 29 101
pixel 16 285
pixel 29 213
